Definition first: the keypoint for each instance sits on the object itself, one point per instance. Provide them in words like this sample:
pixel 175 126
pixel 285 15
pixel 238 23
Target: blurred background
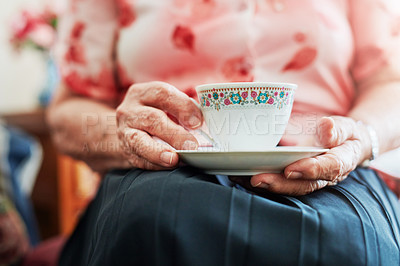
pixel 45 190
pixel 23 72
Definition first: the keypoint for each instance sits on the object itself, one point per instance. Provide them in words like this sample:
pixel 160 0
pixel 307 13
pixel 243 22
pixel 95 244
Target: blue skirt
pixel 184 217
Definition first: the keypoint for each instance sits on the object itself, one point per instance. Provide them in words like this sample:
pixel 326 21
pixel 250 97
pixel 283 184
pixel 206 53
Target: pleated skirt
pixel 184 217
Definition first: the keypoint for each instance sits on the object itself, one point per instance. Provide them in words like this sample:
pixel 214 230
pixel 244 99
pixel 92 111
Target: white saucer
pixel 246 162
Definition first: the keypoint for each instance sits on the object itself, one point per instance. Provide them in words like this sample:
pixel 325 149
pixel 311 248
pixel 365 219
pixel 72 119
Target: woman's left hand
pixel 349 145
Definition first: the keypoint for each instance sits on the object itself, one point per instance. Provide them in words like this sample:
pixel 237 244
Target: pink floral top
pixel 106 45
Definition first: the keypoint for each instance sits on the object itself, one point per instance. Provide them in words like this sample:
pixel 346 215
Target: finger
pixel 142 163
pixel 277 183
pixel 130 159
pixel 141 144
pixel 169 99
pixel 157 123
pixel 334 131
pixel 334 165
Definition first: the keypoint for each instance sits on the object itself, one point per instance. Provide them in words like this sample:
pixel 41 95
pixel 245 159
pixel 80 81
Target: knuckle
pixel 160 92
pixel 136 142
pixel 147 165
pixel 165 93
pixel 310 187
pixel 121 113
pixel 329 167
pixel 141 163
pixel 169 97
pixel 134 93
pixel 135 162
pixel 121 135
pixel 133 88
pixel 137 89
pixel 151 166
pixel 337 169
pixel 150 120
pixel 143 120
pixel 131 135
pixel 126 116
pixel 315 185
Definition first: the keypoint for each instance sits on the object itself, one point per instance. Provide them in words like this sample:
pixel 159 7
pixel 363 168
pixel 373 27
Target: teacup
pixel 246 116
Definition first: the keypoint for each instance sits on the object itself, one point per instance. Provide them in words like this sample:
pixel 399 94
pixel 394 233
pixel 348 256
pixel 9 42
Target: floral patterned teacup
pixel 246 116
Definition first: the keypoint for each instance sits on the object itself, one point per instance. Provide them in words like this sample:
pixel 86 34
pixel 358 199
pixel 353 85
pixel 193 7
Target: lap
pixel 183 217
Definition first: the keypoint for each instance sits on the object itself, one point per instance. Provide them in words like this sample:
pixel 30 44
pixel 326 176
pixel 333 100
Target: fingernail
pixel 194 122
pixel 261 185
pixel 189 145
pixel 167 157
pixel 294 175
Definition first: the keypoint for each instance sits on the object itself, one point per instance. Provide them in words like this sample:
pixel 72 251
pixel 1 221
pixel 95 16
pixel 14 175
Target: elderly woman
pixel 112 107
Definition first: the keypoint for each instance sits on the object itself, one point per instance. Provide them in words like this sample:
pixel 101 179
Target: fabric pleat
pixel 184 217
pixel 309 236
pixel 238 229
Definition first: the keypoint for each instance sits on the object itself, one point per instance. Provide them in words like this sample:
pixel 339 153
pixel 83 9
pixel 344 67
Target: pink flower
pixel 22 25
pixel 221 94
pixel 207 103
pixel 245 94
pixel 270 101
pixel 253 94
pixel 276 93
pixel 209 95
pixel 227 102
pixel 43 35
pixel 34 29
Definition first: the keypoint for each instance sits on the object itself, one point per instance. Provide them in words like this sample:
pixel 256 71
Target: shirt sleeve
pixel 85 49
pixel 376 31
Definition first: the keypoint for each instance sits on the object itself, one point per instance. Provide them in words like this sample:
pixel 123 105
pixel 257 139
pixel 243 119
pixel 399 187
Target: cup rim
pixel 245 84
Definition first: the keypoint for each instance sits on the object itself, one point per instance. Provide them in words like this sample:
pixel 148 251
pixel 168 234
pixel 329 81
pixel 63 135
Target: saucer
pixel 246 163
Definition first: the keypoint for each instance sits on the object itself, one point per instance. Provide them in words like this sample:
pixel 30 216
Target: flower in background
pixel 34 29
pixel 38 30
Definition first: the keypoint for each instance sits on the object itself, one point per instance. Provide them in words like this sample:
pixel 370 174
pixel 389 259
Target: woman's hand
pixel 156 110
pixel 349 145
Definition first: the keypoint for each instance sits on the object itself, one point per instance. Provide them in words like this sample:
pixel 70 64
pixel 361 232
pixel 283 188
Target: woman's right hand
pixel 150 110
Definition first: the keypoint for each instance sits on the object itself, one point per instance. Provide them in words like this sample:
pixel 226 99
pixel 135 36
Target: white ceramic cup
pixel 246 116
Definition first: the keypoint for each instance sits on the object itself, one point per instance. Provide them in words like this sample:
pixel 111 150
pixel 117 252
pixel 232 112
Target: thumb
pixel 334 131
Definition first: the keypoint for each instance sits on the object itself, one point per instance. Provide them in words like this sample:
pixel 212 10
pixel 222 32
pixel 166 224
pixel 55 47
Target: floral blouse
pixel 106 45
pixel 325 47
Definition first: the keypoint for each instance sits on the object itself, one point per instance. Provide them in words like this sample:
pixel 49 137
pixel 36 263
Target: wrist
pixel 371 143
